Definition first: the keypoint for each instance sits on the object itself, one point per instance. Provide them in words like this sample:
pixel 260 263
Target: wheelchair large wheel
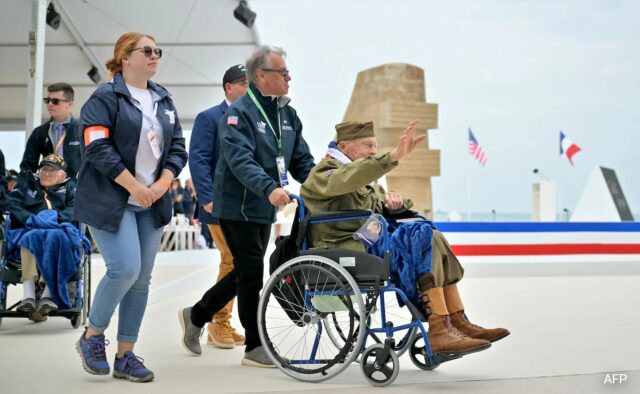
pixel 86 289
pixel 306 301
pixel 3 298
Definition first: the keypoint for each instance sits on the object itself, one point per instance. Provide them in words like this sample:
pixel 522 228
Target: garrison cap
pixel 352 130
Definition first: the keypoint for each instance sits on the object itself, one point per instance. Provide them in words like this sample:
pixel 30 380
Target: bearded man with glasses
pixel 59 135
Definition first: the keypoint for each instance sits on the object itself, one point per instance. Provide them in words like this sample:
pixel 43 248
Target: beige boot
pixel 443 336
pixel 459 320
pixel 220 335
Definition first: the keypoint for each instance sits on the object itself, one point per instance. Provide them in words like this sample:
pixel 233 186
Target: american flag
pixel 475 150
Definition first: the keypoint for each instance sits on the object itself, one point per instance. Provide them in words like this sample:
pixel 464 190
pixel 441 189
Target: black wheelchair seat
pixel 365 268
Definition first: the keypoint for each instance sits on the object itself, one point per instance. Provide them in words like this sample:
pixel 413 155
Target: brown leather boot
pixel 460 322
pixel 443 336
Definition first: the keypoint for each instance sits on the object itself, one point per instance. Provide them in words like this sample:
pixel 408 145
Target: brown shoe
pixel 445 338
pixel 237 337
pixel 460 322
pixel 219 335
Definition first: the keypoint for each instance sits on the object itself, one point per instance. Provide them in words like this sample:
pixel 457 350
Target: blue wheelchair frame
pixel 388 328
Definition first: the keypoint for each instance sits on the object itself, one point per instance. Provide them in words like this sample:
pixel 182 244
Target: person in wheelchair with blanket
pixel 49 245
pixel 422 262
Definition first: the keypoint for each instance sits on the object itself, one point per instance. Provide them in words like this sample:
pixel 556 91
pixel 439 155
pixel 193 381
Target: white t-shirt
pixel 146 161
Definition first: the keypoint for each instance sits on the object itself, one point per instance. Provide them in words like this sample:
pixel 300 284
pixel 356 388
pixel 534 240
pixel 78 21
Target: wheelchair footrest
pixel 439 358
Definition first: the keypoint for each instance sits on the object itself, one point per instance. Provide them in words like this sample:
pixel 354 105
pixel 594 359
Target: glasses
pixel 48 170
pixel 242 82
pixel 282 71
pixel 147 50
pixel 54 101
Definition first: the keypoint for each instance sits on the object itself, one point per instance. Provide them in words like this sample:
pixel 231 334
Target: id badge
pixel 153 141
pixel 282 171
pixel 370 231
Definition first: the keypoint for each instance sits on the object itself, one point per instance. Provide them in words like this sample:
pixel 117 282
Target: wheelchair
pixel 322 309
pixel 10 274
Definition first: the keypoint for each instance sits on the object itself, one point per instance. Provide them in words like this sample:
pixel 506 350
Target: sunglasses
pixel 147 50
pixel 54 101
pixel 282 71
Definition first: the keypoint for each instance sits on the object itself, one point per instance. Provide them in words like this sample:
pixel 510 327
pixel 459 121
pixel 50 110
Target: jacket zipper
pixel 244 196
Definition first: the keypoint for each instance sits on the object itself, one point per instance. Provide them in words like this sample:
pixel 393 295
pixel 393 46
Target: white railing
pixel 179 234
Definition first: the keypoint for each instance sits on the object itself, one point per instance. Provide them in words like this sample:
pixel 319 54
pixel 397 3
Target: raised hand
pixel 407 142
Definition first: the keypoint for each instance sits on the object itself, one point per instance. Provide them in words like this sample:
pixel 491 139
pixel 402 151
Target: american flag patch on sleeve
pixel 232 120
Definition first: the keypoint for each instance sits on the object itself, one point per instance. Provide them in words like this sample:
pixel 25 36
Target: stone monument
pixel 391 96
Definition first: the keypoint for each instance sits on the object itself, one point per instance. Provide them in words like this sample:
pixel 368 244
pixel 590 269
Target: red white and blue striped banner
pixel 541 238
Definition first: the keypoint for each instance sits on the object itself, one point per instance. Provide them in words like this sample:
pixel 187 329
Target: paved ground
pixel 568 333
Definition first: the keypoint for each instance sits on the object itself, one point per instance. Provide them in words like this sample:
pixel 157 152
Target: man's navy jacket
pixel 204 150
pixel 247 172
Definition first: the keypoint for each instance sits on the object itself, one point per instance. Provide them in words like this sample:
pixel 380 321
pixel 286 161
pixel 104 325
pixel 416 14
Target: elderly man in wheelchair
pixel 42 237
pixel 427 269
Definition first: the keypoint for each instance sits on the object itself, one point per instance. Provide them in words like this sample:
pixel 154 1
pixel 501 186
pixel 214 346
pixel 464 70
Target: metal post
pixel 36 65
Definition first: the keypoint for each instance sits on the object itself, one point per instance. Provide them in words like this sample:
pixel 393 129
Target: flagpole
pixel 469 189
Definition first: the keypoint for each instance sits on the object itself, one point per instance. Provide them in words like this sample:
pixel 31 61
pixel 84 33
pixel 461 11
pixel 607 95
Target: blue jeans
pixel 129 255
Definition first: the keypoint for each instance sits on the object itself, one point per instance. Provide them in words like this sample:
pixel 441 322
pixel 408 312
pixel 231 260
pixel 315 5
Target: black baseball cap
pixel 54 161
pixel 234 73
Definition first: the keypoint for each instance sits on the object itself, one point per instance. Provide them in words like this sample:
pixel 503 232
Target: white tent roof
pixel 200 40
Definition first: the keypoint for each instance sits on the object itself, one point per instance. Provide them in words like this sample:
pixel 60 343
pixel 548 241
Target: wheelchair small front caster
pixel 418 354
pixel 379 366
pixel 75 320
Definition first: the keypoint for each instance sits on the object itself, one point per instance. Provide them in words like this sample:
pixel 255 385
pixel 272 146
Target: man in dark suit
pixel 203 156
pixel 59 135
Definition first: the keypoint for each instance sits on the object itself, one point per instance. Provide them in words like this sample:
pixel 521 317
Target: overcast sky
pixel 516 72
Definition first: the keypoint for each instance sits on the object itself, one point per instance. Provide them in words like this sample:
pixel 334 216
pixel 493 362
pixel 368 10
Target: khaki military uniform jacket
pixel 333 186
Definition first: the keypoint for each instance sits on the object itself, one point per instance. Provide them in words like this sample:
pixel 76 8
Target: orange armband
pixel 95 133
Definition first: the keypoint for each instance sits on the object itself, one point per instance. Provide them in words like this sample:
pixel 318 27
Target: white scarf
pixel 335 153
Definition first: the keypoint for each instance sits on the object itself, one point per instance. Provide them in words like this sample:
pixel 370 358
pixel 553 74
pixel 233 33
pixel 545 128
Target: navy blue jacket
pixel 100 201
pixel 39 145
pixel 246 173
pixel 204 150
pixel 28 199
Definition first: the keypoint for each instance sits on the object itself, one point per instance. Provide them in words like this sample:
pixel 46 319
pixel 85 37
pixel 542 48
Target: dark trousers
pixel 248 244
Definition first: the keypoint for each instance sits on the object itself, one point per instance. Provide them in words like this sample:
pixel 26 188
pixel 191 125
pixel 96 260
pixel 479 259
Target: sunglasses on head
pixel 54 101
pixel 147 50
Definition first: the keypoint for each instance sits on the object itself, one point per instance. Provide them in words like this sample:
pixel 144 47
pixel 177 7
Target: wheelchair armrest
pixel 335 216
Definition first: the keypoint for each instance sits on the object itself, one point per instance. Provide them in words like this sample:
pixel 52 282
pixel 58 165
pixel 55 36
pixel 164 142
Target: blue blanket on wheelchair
pixel 410 247
pixel 57 248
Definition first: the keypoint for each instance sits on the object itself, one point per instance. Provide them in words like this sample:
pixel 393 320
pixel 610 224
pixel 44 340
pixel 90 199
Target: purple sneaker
pixel 131 367
pixel 92 354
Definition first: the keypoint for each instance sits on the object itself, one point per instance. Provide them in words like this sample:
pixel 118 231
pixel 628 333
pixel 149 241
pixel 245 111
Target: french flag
pixel 567 147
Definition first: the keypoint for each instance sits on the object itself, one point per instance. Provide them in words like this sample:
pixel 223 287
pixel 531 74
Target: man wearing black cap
pixel 203 156
pixel 49 189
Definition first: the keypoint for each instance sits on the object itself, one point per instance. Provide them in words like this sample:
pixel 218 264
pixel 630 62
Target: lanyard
pixel 277 136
